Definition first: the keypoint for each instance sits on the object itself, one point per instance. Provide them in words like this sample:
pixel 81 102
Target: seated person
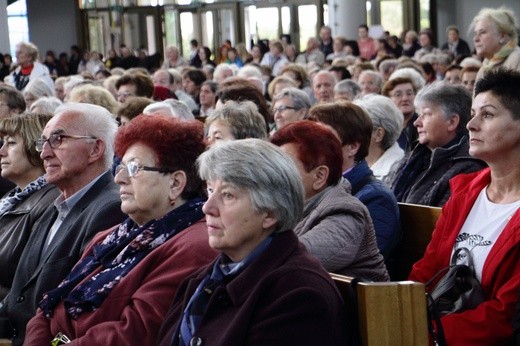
pixel 423 175
pixel 77 151
pixel 264 288
pixel 23 206
pixel 353 127
pixel 482 215
pixel 235 120
pixel 336 227
pixel 120 290
pixel 387 122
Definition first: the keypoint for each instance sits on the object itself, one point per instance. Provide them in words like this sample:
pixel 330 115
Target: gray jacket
pixel 337 229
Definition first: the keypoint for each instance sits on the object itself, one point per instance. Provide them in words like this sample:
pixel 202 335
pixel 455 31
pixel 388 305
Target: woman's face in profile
pixel 219 131
pixel 486 38
pixel 13 159
pixel 493 132
pixel 146 195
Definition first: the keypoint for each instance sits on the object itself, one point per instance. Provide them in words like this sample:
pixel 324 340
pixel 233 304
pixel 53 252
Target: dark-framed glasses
pixel 56 139
pixel 132 168
pixel 281 109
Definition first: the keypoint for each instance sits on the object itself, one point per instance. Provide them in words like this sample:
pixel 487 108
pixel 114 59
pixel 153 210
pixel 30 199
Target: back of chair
pixel 385 313
pixel 418 223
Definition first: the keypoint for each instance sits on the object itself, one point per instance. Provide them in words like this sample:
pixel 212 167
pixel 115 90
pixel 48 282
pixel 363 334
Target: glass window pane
pixel 170 26
pixel 392 16
pixel 425 14
pixel 286 20
pixel 308 20
pixel 207 30
pixel 227 26
pixel 187 32
pixel 267 23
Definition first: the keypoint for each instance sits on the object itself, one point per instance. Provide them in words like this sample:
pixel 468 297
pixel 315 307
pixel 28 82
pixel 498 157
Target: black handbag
pixel 458 290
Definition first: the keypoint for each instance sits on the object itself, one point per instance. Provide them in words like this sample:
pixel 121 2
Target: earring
pixel 172 201
pixel 501 41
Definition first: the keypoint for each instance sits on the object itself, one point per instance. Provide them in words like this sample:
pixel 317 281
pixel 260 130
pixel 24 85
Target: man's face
pixel 161 78
pixel 325 34
pixel 323 87
pixel 65 163
pixel 453 36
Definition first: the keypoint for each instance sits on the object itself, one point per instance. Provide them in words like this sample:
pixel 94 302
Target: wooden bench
pixel 418 223
pixel 389 313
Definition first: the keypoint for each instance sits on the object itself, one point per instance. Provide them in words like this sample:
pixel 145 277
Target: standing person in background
pixel 74 60
pixel 496 39
pixel 195 60
pixel 367 46
pixel 173 58
pixel 326 41
pixel 457 46
pixel 29 68
pixel 275 58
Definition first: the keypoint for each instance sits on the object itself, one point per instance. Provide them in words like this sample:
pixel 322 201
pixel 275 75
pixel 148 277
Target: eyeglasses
pixel 132 168
pixel 124 94
pixel 56 139
pixel 399 94
pixel 282 108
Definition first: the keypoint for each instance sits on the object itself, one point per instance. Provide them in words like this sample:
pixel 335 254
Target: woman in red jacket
pixel 482 216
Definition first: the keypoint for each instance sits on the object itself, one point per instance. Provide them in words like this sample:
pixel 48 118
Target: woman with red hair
pixel 336 227
pixel 121 289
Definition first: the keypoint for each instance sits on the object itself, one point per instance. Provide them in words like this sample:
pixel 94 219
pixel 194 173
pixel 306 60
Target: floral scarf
pixel 500 56
pixel 119 252
pixel 17 195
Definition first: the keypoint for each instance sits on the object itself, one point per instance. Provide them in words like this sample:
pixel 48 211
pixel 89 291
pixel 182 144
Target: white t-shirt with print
pixel 482 227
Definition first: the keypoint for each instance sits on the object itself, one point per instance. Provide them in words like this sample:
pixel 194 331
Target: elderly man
pixel 76 147
pixel 323 86
pixel 312 54
pixel 172 79
pixel 173 58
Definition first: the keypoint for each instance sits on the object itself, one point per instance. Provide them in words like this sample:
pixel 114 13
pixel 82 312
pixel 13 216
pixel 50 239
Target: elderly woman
pixel 264 288
pixel 23 206
pixel 496 39
pixel 336 227
pixel 29 67
pixel 46 104
pixel 279 83
pixel 387 122
pixel 35 89
pixel 290 105
pixel 208 98
pixel 120 291
pixel 235 120
pixel 423 175
pixel 353 127
pixel 483 216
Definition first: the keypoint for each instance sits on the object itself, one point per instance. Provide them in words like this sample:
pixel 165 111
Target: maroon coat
pixel 135 308
pixel 284 297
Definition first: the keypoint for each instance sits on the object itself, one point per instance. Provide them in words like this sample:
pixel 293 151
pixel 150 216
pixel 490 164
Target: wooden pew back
pixel 389 313
pixel 418 223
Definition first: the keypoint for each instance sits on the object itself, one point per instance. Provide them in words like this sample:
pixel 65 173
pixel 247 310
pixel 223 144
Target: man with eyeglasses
pixel 77 150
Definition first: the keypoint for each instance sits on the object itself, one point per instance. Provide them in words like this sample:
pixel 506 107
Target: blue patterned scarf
pixel 119 252
pixel 17 195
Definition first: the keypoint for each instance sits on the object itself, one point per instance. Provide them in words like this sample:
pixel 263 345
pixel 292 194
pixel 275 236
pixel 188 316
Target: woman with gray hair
pixel 423 175
pixel 289 105
pixel 28 68
pixel 264 278
pixel 496 39
pixel 235 120
pixel 387 121
pixel 35 89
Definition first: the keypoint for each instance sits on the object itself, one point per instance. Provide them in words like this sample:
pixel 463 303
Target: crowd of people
pixel 204 199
